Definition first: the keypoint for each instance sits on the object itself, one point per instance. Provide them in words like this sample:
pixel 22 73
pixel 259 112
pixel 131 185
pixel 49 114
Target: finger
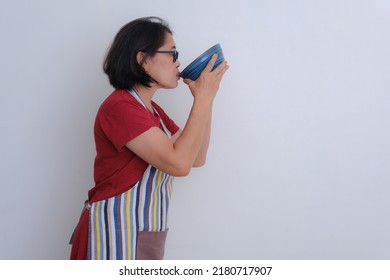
pixel 222 70
pixel 220 67
pixel 211 63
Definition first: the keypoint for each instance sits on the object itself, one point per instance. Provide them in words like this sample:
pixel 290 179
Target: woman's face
pixel 161 66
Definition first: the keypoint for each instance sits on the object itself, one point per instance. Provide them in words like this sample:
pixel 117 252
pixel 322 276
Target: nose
pixel 177 63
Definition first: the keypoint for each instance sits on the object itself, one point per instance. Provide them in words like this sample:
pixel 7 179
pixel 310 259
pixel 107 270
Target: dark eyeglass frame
pixel 174 53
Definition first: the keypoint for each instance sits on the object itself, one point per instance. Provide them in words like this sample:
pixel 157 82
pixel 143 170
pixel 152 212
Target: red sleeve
pixel 168 122
pixel 124 121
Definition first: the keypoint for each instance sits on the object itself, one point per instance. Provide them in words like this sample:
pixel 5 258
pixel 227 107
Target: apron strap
pixel 135 94
pixel 87 206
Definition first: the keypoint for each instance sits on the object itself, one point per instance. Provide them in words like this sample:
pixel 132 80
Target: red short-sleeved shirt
pixel 120 119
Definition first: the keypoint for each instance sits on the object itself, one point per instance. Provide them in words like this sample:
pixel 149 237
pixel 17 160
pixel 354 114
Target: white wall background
pixel 299 162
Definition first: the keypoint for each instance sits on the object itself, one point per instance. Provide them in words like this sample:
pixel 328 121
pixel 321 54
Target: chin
pixel 170 86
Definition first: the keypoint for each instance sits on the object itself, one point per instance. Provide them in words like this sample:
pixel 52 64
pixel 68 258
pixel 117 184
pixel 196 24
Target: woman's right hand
pixel 207 85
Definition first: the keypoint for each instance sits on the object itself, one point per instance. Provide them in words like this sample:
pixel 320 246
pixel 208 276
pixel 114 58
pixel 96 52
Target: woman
pixel 139 148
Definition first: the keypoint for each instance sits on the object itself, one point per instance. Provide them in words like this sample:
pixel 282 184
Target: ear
pixel 142 59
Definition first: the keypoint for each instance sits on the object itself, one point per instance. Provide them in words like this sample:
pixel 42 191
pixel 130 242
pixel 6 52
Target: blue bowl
pixel 195 68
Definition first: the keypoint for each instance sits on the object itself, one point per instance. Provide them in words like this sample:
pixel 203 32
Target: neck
pixel 146 94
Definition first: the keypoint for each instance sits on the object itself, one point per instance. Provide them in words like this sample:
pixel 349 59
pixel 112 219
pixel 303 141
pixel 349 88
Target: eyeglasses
pixel 175 54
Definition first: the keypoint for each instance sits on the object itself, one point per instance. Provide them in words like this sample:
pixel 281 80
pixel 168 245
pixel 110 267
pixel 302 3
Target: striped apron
pixel 132 225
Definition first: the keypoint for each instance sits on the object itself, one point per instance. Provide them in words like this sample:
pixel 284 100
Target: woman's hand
pixel 207 85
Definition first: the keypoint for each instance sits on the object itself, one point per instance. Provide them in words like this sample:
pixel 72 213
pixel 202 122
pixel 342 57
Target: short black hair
pixel 145 34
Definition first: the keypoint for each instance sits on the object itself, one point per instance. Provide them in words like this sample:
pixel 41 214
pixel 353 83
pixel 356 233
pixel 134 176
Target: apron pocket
pixel 151 245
